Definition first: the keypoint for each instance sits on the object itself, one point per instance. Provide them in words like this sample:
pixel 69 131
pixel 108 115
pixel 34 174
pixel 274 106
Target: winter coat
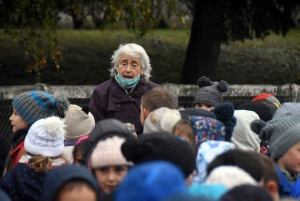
pixel 22 183
pixel 110 100
pixel 285 186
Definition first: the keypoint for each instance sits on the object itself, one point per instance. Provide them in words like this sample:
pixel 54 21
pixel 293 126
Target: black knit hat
pixel 247 193
pixel 210 92
pixel 160 146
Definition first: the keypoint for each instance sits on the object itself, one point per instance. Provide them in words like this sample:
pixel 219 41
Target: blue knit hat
pixel 35 105
pixel 152 181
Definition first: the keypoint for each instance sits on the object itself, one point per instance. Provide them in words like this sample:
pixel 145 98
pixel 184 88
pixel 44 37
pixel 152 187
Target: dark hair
pixel 79 148
pixel 270 173
pixel 245 160
pixel 72 184
pixel 185 122
pixel 158 97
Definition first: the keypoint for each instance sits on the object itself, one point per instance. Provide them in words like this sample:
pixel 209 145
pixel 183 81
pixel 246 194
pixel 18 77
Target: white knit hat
pixel 79 122
pixel 243 137
pixel 161 120
pixel 46 137
pixel 108 152
pixel 230 177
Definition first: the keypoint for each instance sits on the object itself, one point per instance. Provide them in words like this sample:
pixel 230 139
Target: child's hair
pixel 78 149
pixel 40 163
pixel 71 185
pixel 158 97
pixel 184 124
pixel 270 173
pixel 245 160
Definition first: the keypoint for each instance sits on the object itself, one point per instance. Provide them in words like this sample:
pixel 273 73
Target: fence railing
pixel 80 95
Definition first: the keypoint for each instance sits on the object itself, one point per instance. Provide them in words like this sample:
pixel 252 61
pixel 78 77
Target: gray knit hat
pixel 210 92
pixel 35 105
pixel 281 134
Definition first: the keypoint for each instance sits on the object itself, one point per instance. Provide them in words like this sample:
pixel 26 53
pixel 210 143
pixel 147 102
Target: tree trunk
pixel 77 21
pixel 205 42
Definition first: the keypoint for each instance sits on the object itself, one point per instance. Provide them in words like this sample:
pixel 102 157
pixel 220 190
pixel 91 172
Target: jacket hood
pixel 59 176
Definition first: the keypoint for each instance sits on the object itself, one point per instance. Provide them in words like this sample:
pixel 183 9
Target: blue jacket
pixel 22 183
pixel 285 186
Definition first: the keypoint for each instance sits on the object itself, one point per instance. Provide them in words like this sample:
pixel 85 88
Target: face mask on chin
pixel 127 83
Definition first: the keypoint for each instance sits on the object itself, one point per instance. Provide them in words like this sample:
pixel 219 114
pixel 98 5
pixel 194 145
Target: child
pixel 79 122
pixel 79 149
pixel 103 155
pixel 283 137
pixel 154 99
pixel 243 137
pixel 210 93
pixel 152 181
pixel 68 183
pixel 161 120
pixel 44 145
pixel 29 107
pixel 161 146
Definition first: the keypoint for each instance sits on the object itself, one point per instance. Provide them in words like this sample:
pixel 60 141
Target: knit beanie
pixel 161 120
pixel 264 111
pixel 281 134
pixel 243 137
pixel 160 146
pixel 46 137
pixel 35 105
pixel 79 122
pixel 152 181
pixel 291 110
pixel 269 97
pixel 247 193
pixel 207 152
pixel 210 93
pixel 229 176
pixel 108 153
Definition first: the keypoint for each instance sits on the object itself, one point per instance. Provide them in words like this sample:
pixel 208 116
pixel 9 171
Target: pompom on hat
pixel 46 137
pixel 210 93
pixel 35 105
pixel 79 122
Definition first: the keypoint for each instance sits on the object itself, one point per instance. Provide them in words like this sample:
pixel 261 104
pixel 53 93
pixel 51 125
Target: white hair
pixel 134 50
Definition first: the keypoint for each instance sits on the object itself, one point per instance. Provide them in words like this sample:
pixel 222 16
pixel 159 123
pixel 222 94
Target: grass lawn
pixel 86 58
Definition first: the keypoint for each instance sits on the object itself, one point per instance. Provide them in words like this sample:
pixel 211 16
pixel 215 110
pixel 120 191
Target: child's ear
pixel 145 112
pixel 272 187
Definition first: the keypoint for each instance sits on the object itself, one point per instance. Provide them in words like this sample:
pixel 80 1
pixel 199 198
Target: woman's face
pixel 17 121
pixel 129 67
pixel 109 177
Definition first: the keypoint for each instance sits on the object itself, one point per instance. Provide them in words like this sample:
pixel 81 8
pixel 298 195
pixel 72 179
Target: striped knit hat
pixel 35 105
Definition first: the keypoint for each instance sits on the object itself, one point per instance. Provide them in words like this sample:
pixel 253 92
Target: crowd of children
pixel 210 152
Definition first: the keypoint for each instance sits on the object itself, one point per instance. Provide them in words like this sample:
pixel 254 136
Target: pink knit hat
pixel 108 153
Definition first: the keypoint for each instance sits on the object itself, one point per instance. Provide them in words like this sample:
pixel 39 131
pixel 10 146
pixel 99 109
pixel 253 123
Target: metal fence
pixel 183 101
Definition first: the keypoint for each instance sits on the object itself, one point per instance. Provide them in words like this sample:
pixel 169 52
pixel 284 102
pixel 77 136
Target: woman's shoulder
pixel 151 85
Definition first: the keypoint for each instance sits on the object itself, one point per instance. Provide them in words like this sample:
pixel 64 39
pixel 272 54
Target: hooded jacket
pixel 22 183
pixel 110 100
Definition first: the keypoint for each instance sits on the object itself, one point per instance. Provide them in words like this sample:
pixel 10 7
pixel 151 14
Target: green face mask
pixel 127 83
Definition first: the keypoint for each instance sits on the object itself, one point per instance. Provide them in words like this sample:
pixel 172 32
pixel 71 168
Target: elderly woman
pixel 120 96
